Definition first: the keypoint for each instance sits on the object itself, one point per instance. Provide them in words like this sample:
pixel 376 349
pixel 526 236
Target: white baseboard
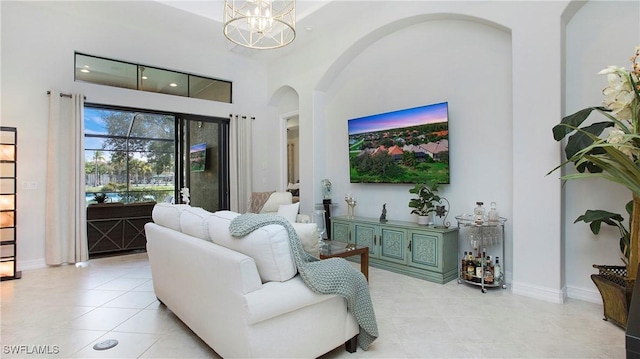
pixel 32 264
pixel 537 292
pixel 584 294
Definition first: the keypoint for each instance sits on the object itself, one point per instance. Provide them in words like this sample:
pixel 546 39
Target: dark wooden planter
pixel 115 227
pixel 616 290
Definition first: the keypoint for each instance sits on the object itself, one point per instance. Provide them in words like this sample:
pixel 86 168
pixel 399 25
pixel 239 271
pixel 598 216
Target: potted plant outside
pixel 426 201
pixel 611 150
pixel 100 197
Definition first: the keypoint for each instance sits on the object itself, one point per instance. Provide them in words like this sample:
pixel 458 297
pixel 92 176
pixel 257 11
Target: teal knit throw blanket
pixel 328 276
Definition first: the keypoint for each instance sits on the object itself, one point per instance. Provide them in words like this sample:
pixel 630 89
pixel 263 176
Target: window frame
pixel 111 79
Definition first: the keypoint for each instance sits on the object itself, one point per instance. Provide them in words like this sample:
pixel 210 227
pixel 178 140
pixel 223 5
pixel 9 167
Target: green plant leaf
pixel 600 216
pixel 571 122
pixel 581 138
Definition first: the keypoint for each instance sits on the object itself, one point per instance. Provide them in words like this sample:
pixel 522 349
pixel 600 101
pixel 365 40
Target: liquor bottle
pixel 488 271
pixel 463 268
pixel 494 218
pixel 471 267
pixel 497 270
pixel 478 213
pixel 488 276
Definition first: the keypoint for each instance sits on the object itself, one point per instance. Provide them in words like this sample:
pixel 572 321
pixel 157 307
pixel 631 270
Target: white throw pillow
pixel 275 200
pixel 289 211
pixel 308 234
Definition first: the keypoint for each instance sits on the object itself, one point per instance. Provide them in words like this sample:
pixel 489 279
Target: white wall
pixel 594 42
pixel 509 78
pixel 38 44
pixel 400 71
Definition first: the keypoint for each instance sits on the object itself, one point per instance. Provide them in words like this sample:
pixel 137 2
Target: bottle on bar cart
pixel 478 213
pixel 463 266
pixel 497 270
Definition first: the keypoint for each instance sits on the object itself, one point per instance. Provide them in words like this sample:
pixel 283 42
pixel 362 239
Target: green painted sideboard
pixel 403 247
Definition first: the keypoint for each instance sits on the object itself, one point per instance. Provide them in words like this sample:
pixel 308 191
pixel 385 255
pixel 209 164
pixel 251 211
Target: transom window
pixel 103 71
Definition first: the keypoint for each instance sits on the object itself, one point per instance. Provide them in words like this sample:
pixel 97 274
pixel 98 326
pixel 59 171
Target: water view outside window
pixel 129 156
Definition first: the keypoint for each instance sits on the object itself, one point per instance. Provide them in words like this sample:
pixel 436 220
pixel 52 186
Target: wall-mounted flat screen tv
pixel 197 156
pixel 404 146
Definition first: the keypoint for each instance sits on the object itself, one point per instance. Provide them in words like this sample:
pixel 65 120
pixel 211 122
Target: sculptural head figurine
pixel 326 188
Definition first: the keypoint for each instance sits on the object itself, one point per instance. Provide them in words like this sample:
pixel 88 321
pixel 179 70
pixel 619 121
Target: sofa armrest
pixel 175 257
pixel 277 298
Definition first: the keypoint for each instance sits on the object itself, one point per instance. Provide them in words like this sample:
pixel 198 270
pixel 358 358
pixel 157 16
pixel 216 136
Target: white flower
pixel 611 70
pixel 620 141
pixel 616 136
pixel 619 94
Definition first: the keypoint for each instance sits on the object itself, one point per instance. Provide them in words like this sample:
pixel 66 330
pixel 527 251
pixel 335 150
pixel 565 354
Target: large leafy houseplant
pixel 427 198
pixel 595 219
pixel 610 149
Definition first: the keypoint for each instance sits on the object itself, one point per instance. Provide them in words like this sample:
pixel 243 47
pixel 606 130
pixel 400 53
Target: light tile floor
pixel 63 311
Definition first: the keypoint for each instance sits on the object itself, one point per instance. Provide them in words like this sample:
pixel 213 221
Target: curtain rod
pixel 65 95
pixel 242 116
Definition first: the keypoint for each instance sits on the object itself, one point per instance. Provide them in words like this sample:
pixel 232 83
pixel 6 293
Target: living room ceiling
pixel 214 9
pixel 313 18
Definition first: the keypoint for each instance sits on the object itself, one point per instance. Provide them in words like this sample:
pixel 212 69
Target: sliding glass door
pixel 134 155
pixel 206 172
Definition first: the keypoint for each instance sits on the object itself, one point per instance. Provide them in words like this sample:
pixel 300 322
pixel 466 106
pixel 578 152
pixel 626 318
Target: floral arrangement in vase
pixel 610 149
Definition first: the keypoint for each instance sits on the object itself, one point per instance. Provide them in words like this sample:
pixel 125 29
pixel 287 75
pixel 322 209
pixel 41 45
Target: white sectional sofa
pixel 242 296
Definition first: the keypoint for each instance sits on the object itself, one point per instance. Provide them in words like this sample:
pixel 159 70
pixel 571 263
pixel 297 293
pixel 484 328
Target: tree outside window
pixel 129 156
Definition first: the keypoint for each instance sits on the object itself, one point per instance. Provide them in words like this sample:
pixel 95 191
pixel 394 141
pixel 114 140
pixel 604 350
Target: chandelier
pixel 260 24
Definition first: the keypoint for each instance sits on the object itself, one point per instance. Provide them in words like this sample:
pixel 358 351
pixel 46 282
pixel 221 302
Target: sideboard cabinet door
pixel 366 235
pixel 393 244
pixel 340 231
pixel 425 250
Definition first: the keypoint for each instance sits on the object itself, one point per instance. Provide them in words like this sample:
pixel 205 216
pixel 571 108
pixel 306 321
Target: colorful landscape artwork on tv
pixel 405 146
pixel 197 156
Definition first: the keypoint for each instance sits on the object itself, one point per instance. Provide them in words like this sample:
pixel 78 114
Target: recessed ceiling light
pixel 144 77
pixel 173 84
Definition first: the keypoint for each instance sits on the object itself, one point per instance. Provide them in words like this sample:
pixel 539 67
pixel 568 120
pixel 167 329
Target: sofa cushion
pixel 194 222
pixel 268 246
pixel 168 215
pixel 289 211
